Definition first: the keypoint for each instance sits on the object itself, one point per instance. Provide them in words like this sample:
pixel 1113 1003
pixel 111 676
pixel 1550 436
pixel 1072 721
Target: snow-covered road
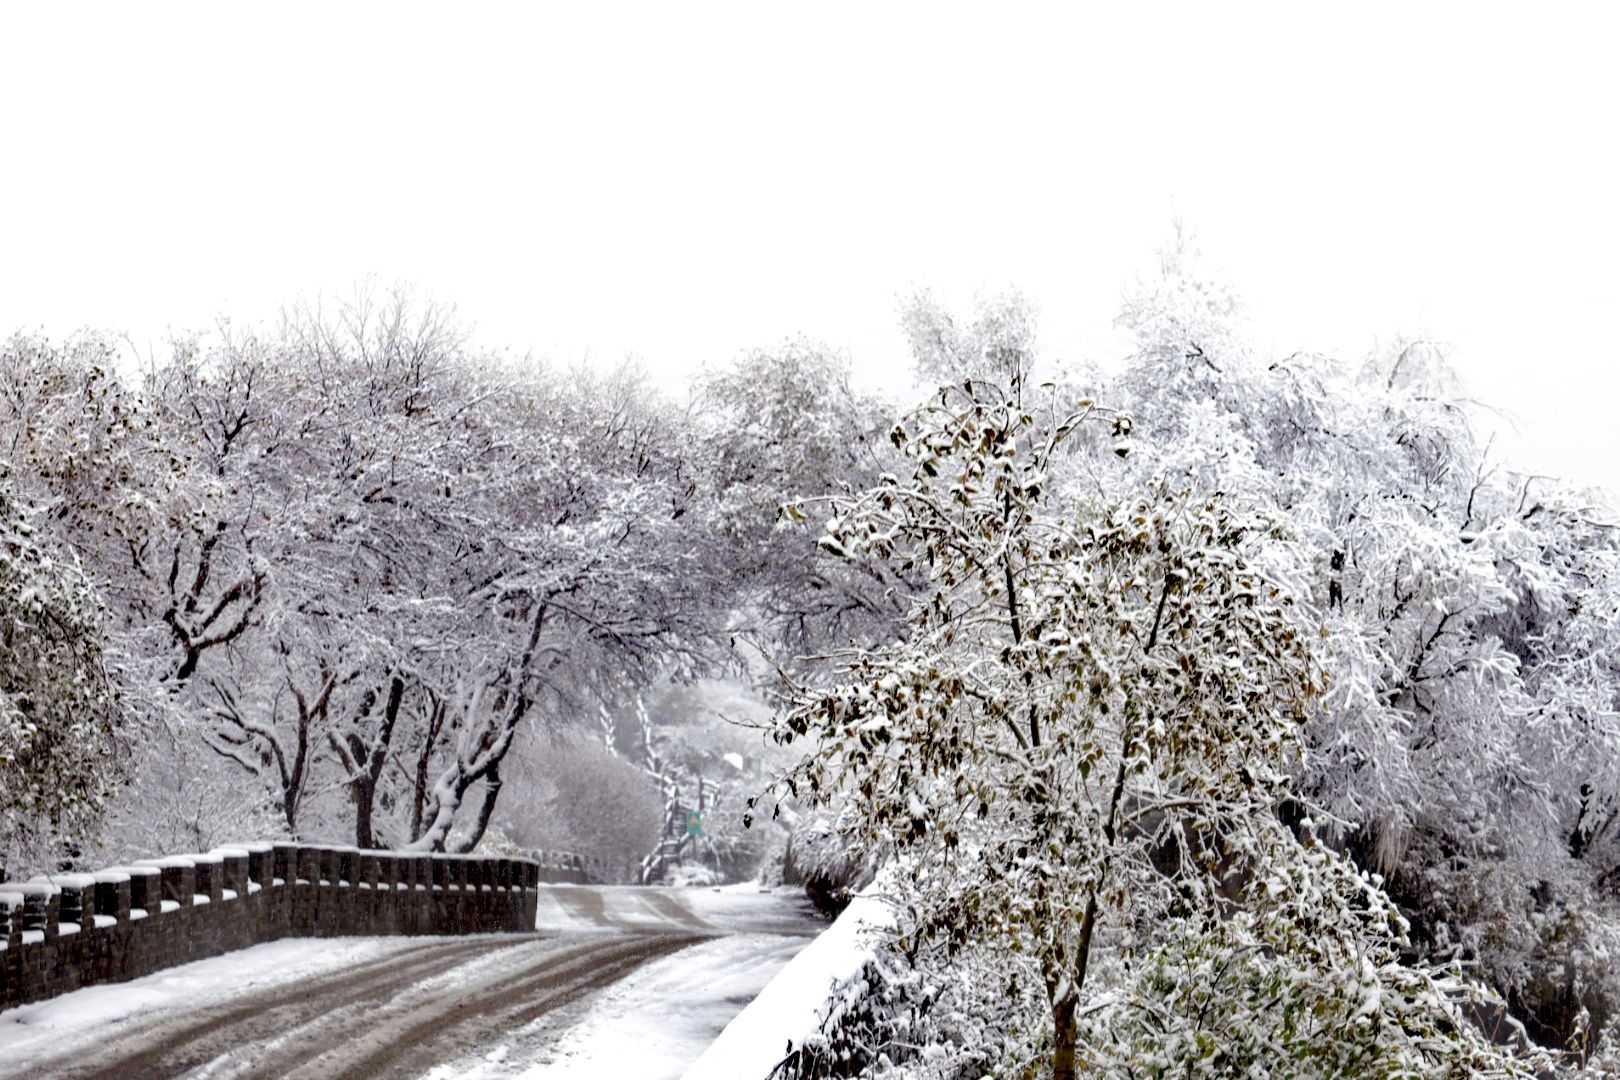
pixel 620 981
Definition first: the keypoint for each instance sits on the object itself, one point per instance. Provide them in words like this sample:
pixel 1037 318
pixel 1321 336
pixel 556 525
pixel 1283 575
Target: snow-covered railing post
pixel 385 892
pixel 284 860
pixel 113 898
pixel 368 908
pixel 70 905
pixel 335 897
pixel 234 868
pixel 314 875
pixel 208 871
pixel 145 890
pixel 11 904
pixel 39 906
pixel 421 896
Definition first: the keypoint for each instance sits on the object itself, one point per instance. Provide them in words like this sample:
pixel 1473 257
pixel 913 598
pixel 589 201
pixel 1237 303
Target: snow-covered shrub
pixel 692 875
pixel 1529 924
pixel 863 1027
pixel 821 859
pixel 183 799
pixel 1303 976
pixel 734 852
pixel 1599 1050
pixel 926 1017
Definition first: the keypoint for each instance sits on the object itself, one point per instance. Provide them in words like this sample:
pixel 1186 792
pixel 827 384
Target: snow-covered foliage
pixel 1468 742
pixel 820 859
pixel 58 713
pixel 1082 749
pixel 782 427
pixel 1462 749
pixel 347 560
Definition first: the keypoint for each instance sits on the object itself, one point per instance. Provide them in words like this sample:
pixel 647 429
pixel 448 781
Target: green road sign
pixel 694 823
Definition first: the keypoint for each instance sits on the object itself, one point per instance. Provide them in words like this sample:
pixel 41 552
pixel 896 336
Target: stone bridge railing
pixel 62 932
pixel 557 867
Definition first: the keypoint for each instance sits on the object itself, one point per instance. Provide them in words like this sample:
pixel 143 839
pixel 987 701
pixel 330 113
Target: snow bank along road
pixel 400 1007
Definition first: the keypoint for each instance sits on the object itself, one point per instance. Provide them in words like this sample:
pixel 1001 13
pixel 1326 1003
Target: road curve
pixel 430 1001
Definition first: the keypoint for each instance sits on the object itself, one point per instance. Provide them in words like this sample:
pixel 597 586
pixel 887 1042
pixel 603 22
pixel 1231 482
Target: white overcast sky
pixel 683 181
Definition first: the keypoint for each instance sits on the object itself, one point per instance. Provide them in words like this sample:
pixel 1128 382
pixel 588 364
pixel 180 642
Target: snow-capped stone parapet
pixel 72 930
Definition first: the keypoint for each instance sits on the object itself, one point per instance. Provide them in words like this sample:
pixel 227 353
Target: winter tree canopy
pixel 1205 711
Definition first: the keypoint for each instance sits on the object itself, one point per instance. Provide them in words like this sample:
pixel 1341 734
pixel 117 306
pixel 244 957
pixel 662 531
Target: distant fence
pixel 66 931
pixel 566 866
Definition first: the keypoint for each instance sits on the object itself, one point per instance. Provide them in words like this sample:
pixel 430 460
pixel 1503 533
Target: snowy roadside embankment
pixel 790 1007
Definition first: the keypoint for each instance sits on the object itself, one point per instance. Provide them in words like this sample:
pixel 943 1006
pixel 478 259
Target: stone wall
pixel 62 932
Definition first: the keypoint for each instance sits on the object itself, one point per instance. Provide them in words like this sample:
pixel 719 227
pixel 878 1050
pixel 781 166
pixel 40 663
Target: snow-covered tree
pixel 590 572
pixel 779 426
pixel 1466 741
pixel 59 716
pixel 352 555
pixel 1088 728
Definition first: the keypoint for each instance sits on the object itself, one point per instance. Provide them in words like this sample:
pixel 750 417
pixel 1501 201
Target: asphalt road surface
pixel 432 1000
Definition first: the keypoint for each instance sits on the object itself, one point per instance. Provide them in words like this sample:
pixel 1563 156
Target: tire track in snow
pixel 396 1015
pixel 665 906
pixel 172 1047
pixel 446 1024
pixel 584 903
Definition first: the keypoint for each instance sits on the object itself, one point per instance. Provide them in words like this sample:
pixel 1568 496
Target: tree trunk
pixel 289 809
pixel 364 797
pixel 1064 1031
pixel 496 740
pixel 492 792
pixel 365 785
pixel 420 795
